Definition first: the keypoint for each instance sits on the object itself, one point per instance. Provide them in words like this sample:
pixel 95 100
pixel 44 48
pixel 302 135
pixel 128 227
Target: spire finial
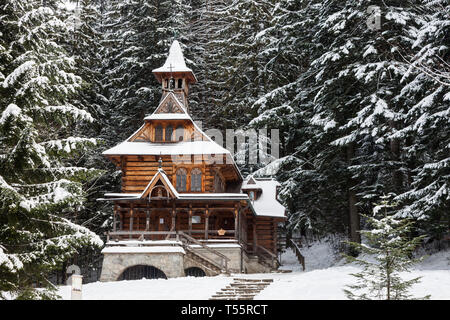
pixel 160 162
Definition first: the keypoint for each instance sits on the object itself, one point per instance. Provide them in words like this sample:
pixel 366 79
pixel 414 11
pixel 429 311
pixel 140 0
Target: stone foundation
pixel 115 263
pixel 173 264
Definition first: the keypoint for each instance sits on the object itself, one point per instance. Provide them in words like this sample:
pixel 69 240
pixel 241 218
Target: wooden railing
pixel 266 254
pixel 300 257
pixel 190 240
pixel 213 234
pixel 118 235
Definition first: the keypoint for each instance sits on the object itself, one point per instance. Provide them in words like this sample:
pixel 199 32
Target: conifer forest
pixel 363 113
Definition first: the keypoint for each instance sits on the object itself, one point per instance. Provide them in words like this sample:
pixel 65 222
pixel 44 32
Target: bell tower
pixel 175 76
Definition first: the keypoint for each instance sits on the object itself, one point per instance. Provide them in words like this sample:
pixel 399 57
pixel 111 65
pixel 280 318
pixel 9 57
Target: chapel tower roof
pixel 175 64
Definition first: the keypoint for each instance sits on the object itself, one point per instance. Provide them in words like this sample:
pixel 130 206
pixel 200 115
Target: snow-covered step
pixel 242 289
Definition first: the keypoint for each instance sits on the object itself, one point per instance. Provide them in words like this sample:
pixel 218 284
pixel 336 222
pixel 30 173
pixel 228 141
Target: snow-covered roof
pixel 175 61
pixel 176 148
pixel 137 243
pixel 168 116
pixel 121 195
pixel 217 245
pixel 181 196
pixel 267 204
pixel 213 196
pixel 147 249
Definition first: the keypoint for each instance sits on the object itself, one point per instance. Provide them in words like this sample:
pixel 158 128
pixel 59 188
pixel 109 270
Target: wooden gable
pixel 170 104
pixel 160 180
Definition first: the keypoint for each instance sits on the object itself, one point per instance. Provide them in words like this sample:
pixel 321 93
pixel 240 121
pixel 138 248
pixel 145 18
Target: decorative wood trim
pixel 190 219
pixel 206 222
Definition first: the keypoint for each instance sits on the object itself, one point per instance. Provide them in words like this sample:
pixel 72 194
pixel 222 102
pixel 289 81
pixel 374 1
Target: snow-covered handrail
pixel 300 257
pixel 223 257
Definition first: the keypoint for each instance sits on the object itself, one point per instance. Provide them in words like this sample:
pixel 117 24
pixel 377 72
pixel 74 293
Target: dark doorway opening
pixel 194 272
pixel 142 272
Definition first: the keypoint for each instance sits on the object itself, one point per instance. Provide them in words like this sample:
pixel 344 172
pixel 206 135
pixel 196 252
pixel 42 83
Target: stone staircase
pixel 242 289
pixel 204 261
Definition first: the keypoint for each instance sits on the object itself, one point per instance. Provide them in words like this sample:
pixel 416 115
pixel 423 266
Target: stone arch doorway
pixel 139 272
pixel 194 272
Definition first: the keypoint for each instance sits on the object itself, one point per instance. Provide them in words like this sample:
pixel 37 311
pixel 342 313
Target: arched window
pixel 180 83
pixel 179 133
pixel 219 185
pixel 169 131
pixel 196 179
pixel 181 179
pixel 167 83
pixel 159 133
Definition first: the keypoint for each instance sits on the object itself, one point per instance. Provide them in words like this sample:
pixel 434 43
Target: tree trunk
pixel 395 154
pixel 354 220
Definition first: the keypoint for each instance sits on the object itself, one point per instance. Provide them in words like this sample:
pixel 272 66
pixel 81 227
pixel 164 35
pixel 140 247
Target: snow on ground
pixel 325 278
pixel 185 288
pixel 327 274
pixel 318 255
pixel 328 284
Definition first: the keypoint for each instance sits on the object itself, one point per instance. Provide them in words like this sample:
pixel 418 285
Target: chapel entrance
pixel 161 224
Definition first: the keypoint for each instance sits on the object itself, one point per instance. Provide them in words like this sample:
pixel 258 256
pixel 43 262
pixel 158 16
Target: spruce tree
pixel 41 182
pixel 390 244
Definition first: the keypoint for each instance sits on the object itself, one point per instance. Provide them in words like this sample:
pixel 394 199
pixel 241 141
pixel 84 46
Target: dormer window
pixel 159 133
pixel 180 83
pixel 252 195
pixel 169 131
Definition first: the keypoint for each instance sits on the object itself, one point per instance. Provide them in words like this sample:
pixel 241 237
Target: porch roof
pixel 180 196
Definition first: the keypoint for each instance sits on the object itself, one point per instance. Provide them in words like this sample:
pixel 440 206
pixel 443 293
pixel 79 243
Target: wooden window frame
pixel 185 179
pixel 157 127
pixel 194 187
pixel 165 133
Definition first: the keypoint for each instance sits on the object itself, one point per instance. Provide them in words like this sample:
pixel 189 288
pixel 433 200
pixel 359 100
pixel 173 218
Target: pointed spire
pixel 175 63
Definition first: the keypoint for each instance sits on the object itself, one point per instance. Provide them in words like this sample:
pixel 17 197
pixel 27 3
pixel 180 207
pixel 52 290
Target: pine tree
pixel 391 245
pixel 41 184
